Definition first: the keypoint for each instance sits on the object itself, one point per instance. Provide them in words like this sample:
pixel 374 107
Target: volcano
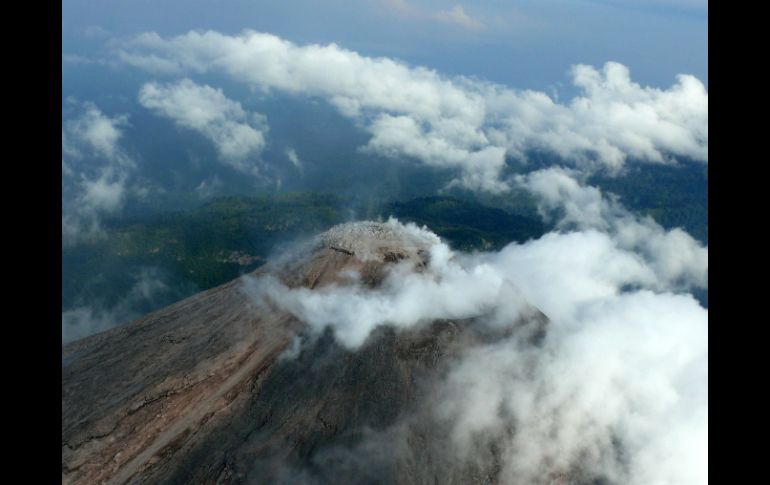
pixel 228 387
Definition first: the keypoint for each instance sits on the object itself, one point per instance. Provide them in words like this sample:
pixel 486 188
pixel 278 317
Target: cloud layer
pixel 238 136
pixel 675 256
pixel 461 124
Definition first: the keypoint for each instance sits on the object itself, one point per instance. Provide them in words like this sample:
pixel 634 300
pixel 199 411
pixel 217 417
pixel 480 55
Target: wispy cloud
pixel 458 16
pixel 209 187
pixel 95 170
pixel 239 136
pixel 149 288
pixel 96 31
pixel 291 154
pixel 676 257
pixel 403 7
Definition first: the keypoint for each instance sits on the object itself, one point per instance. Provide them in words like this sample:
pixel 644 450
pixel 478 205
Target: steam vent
pixel 219 388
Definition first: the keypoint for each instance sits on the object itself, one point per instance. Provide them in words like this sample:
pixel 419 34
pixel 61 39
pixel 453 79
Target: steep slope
pixel 211 389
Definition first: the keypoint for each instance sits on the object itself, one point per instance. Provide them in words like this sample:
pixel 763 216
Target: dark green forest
pixel 226 237
pixel 201 247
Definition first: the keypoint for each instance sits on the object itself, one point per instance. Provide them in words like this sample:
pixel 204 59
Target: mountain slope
pixel 212 389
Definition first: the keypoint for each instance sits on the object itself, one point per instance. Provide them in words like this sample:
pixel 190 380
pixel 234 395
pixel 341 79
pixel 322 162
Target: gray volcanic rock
pixel 199 392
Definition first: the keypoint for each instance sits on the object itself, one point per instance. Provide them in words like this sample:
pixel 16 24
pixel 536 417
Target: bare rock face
pixel 200 392
pixel 377 241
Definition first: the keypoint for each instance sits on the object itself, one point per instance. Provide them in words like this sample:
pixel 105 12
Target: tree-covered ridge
pixel 250 224
pixel 203 246
pixel 674 195
pixel 228 236
pixel 468 225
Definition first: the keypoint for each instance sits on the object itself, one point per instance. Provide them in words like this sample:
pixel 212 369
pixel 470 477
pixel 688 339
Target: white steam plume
pixel 618 387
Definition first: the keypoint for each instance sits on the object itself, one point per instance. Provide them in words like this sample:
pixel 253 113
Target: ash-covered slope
pixel 219 388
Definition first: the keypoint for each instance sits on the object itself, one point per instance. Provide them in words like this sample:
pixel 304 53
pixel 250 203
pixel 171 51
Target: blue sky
pixel 523 44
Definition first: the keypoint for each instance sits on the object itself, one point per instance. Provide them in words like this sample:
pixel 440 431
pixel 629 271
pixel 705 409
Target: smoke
pixel 617 389
pixel 405 298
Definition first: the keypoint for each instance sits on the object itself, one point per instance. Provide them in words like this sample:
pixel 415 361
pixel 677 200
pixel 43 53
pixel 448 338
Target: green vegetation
pixel 675 196
pixel 223 238
pixel 468 225
pixel 201 248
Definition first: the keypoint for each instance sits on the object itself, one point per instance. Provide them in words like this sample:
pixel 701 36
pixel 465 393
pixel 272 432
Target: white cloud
pixel 209 187
pixel 619 388
pixel 238 136
pixel 99 132
pixel 105 193
pixel 454 122
pixel 458 16
pixel 95 170
pixel 675 256
pixel 291 154
pixel 150 63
